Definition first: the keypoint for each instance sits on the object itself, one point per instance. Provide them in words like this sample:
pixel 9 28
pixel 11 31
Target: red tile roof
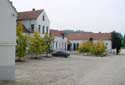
pixel 87 36
pixel 29 15
pixel 56 32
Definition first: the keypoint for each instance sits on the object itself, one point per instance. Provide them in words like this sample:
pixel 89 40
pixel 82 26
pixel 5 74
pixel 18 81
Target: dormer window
pixel 43 18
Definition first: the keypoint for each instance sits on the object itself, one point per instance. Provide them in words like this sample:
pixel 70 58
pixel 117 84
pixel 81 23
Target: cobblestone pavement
pixel 75 70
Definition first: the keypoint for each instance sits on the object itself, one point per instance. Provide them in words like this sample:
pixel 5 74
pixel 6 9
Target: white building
pixel 35 20
pixel 8 16
pixel 78 38
pixel 60 41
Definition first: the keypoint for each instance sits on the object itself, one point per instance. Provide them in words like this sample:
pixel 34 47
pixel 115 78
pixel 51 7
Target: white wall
pixel 61 43
pixel 37 22
pixel 7 23
pixel 27 24
pixel 107 43
pixel 8 18
pixel 75 41
pixel 45 23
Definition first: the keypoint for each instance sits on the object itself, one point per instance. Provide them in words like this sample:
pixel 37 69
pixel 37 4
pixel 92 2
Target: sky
pixel 86 15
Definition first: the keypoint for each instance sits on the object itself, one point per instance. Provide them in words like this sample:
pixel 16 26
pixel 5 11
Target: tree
pixel 116 41
pixel 123 41
pixel 21 42
pixel 36 46
pixel 19 29
pixel 48 39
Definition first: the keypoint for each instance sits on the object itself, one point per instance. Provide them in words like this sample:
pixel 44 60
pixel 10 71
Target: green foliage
pixel 123 41
pixel 116 41
pixel 36 44
pixel 19 29
pixel 48 39
pixel 21 42
pixel 21 46
pixel 98 49
pixel 86 47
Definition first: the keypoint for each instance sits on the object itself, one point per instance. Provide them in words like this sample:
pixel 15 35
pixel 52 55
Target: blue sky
pixel 87 15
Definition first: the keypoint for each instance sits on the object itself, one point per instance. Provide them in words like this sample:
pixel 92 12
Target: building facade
pixel 8 16
pixel 78 38
pixel 60 41
pixel 35 20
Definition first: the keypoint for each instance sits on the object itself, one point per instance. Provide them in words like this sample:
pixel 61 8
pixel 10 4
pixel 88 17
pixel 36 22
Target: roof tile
pixel 29 15
pixel 86 36
pixel 56 32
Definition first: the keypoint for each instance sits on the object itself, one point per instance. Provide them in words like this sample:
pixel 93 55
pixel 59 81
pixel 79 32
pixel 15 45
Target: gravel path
pixel 75 70
pixel 111 73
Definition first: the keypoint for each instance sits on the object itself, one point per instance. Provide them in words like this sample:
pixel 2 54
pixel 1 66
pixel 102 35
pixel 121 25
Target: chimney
pixel 33 9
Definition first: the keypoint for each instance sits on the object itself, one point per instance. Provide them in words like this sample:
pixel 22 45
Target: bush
pixel 21 47
pixel 98 49
pixel 21 43
pixel 36 45
pixel 86 47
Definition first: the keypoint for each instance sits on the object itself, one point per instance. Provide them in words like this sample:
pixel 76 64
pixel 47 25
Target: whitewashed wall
pixel 59 44
pixel 37 22
pixel 7 40
pixel 75 41
pixel 27 24
pixel 45 23
pixel 107 43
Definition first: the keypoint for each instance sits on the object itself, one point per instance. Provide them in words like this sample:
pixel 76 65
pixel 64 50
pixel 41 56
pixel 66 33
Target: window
pixel 32 27
pixel 106 44
pixel 63 35
pixel 39 28
pixel 43 18
pixel 47 28
pixel 56 45
pixel 43 30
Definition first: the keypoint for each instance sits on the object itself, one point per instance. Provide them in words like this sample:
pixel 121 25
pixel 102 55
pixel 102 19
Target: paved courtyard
pixel 75 70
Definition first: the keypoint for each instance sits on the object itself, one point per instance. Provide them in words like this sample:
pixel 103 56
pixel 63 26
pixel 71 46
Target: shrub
pixel 21 43
pixel 21 47
pixel 36 45
pixel 86 47
pixel 98 49
pixel 48 39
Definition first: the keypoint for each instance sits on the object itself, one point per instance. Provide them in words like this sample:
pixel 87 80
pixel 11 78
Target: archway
pixel 69 47
pixel 77 46
pixel 74 46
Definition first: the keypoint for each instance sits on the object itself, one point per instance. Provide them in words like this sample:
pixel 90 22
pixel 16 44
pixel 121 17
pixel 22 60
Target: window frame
pixel 32 28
